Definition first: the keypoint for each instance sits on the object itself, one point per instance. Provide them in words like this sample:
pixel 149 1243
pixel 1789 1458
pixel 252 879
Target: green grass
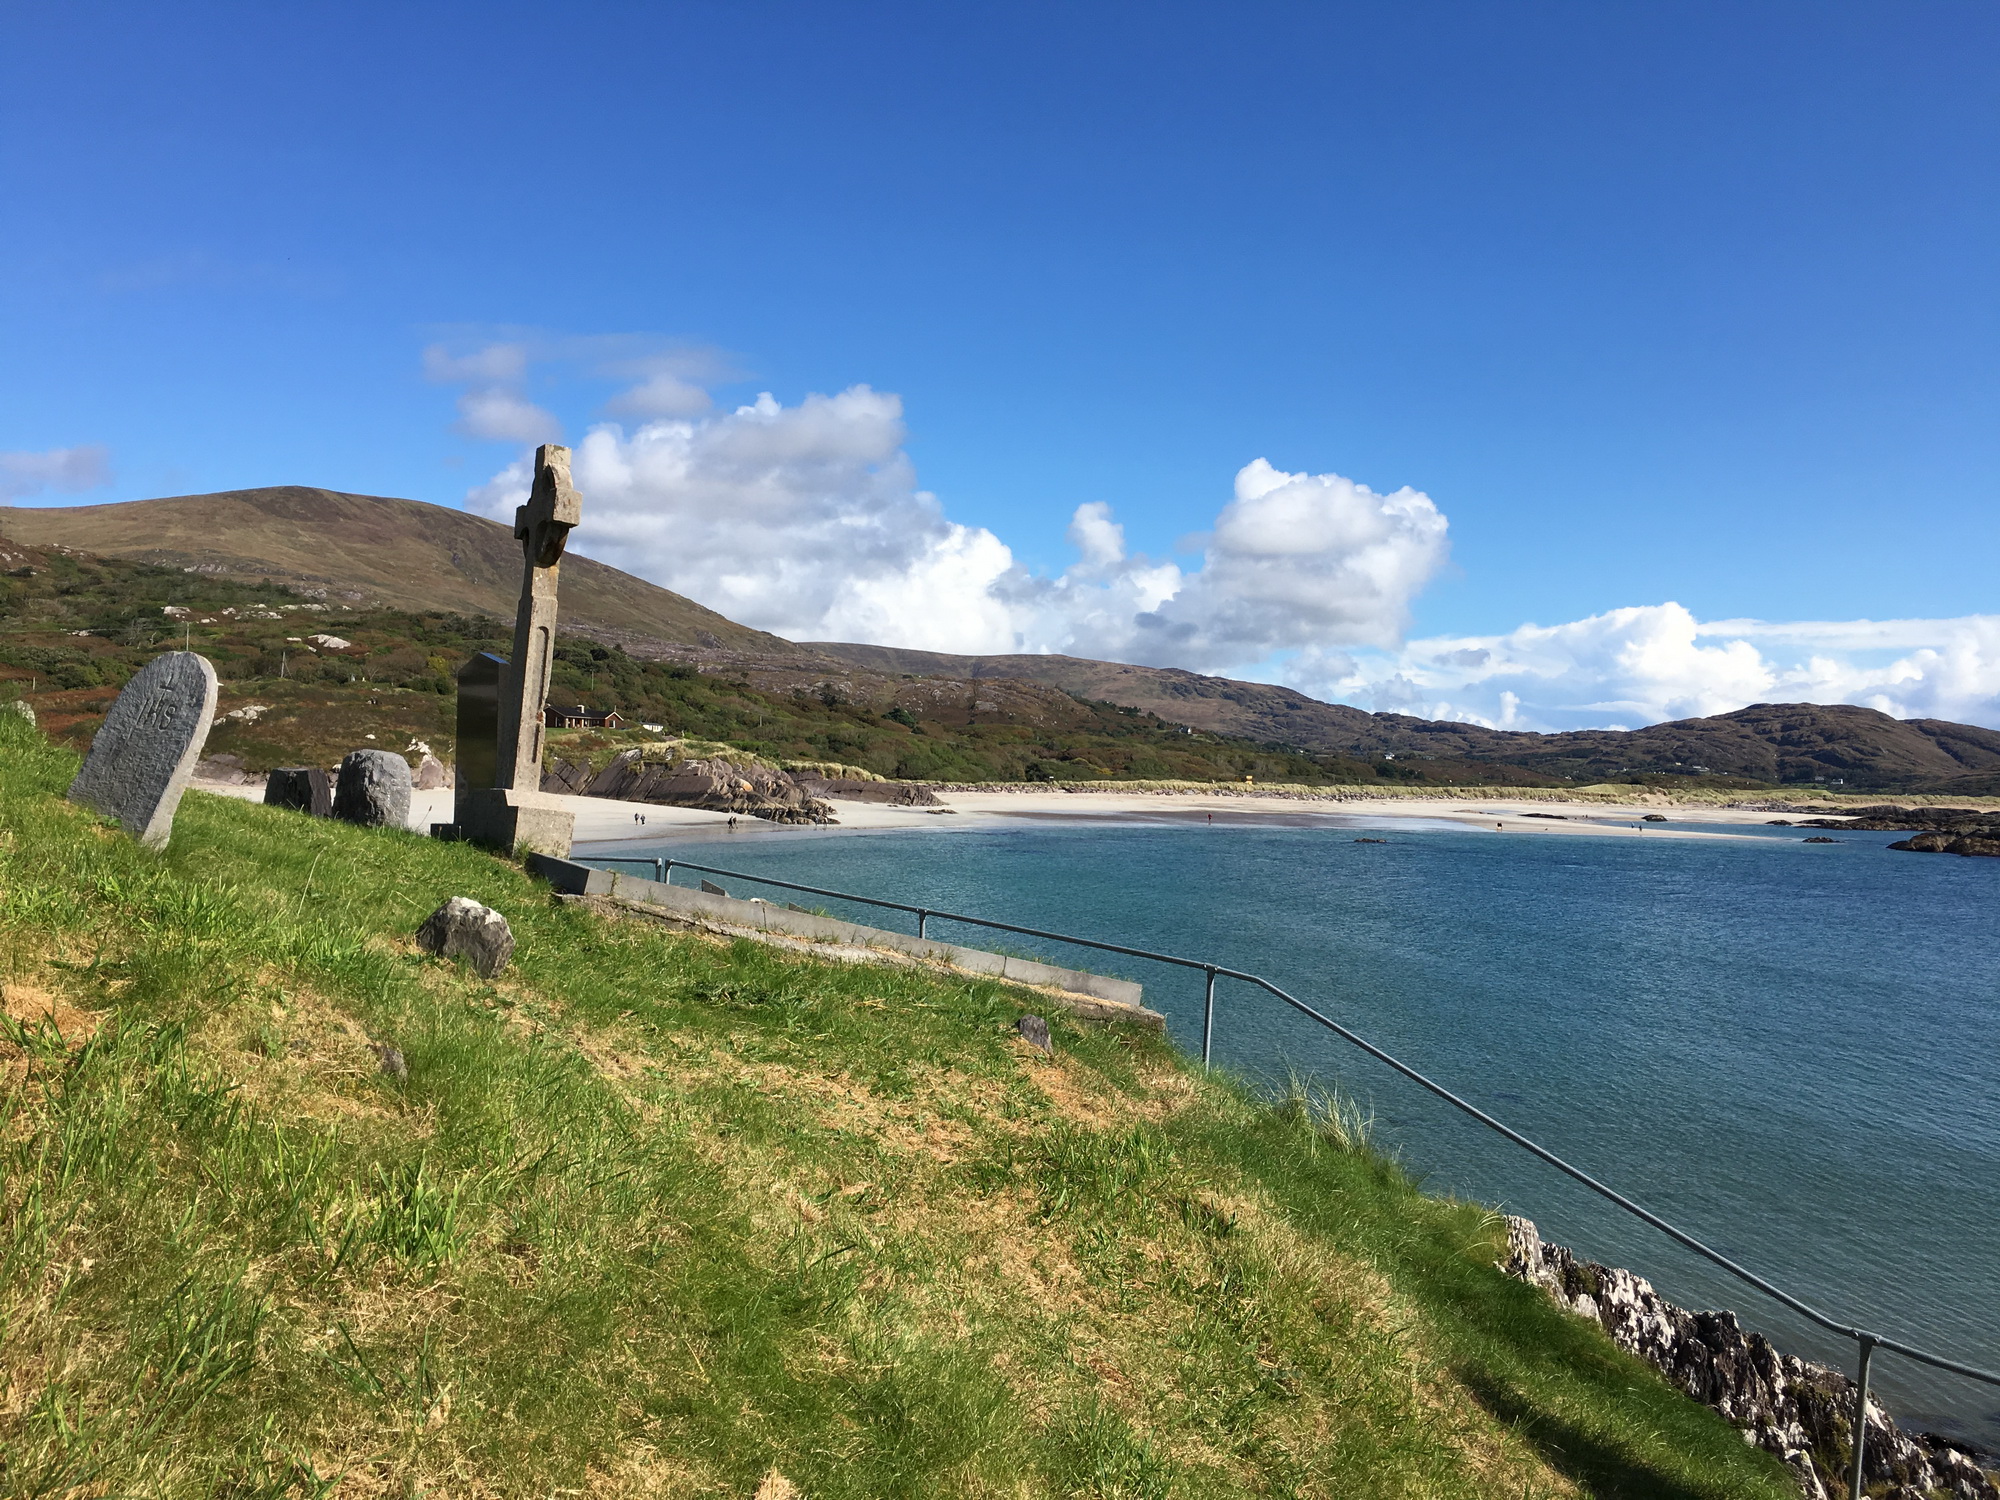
pixel 655 1215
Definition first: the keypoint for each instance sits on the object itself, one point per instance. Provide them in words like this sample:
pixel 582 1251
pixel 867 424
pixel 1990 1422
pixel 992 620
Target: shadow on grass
pixel 1600 1468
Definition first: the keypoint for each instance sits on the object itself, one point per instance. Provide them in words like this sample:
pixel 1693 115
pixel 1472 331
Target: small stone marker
pixel 1035 1032
pixel 431 775
pixel 25 709
pixel 374 789
pixel 713 889
pixel 462 928
pixel 145 752
pixel 305 789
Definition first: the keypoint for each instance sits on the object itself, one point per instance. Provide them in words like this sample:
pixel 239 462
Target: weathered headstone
pixel 24 708
pixel 374 789
pixel 431 774
pixel 501 804
pixel 145 752
pixel 305 789
pixel 462 928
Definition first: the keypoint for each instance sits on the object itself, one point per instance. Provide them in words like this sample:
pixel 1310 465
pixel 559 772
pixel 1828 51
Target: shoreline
pixel 966 811
pixel 603 821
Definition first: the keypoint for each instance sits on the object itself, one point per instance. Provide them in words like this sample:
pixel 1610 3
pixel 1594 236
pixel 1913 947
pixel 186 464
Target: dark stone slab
pixel 145 753
pixel 374 789
pixel 305 789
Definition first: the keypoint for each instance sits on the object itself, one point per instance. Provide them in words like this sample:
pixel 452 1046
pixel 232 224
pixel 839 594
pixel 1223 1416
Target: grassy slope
pixel 652 1215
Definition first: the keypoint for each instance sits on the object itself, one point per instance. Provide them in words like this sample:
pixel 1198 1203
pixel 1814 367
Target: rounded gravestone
pixel 145 752
pixel 374 789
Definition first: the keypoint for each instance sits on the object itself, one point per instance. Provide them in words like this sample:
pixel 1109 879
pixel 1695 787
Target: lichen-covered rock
pixel 374 789
pixel 462 928
pixel 1800 1411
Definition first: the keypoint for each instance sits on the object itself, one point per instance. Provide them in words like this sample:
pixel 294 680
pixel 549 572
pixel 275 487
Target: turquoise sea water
pixel 1790 1050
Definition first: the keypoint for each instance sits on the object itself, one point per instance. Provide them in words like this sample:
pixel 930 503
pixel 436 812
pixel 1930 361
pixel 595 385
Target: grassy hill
pixel 366 553
pixel 370 551
pixel 74 627
pixel 652 1215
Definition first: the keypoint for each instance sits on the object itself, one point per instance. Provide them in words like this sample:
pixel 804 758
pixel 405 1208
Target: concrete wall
pixel 574 879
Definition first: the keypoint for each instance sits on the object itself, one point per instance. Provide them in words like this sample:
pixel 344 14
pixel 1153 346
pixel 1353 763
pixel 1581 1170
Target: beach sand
pixel 601 820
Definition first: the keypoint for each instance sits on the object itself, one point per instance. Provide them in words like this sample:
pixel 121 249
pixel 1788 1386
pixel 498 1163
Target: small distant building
pixel 581 718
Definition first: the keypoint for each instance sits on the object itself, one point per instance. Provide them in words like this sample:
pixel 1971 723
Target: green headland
pixel 657 1215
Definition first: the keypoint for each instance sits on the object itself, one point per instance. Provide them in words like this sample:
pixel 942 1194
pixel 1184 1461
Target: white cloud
pixel 662 394
pixel 495 409
pixel 1630 667
pixel 491 364
pixel 66 469
pixel 505 416
pixel 807 521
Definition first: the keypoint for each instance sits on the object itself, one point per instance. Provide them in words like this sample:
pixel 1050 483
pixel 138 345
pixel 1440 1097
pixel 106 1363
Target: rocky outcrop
pixel 714 784
pixel 1800 1411
pixel 1938 830
pixel 849 789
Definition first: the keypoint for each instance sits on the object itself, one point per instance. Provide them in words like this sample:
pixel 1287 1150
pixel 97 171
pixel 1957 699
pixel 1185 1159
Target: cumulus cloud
pixel 807 520
pixel 1630 667
pixel 69 470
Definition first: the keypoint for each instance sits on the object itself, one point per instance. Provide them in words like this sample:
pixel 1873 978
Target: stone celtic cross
pixel 542 527
pixel 499 800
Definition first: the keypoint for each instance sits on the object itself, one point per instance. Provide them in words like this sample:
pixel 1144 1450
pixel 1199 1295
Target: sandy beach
pixel 604 821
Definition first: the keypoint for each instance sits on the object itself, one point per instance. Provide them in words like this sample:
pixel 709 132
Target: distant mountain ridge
pixel 413 555
pixel 1775 742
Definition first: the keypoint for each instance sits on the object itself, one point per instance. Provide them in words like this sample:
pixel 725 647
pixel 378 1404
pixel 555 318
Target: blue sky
pixel 1653 302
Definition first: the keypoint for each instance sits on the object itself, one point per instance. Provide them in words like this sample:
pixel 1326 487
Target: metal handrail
pixel 1867 1343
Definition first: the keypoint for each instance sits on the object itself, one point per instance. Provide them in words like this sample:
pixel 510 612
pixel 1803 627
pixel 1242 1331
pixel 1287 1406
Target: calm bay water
pixel 1790 1050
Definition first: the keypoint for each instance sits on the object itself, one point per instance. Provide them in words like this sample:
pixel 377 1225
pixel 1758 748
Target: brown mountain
pixel 369 549
pixel 1775 742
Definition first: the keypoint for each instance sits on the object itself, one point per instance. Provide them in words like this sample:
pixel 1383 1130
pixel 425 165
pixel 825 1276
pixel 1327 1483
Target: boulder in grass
pixel 1035 1032
pixel 462 928
pixel 374 789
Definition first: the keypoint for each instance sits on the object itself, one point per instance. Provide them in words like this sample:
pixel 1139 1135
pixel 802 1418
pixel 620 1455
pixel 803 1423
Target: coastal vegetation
pixel 656 1215
pixel 306 681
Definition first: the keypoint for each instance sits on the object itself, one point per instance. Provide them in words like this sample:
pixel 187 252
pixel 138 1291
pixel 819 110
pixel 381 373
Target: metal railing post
pixel 923 917
pixel 1854 1485
pixel 660 871
pixel 1208 1021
